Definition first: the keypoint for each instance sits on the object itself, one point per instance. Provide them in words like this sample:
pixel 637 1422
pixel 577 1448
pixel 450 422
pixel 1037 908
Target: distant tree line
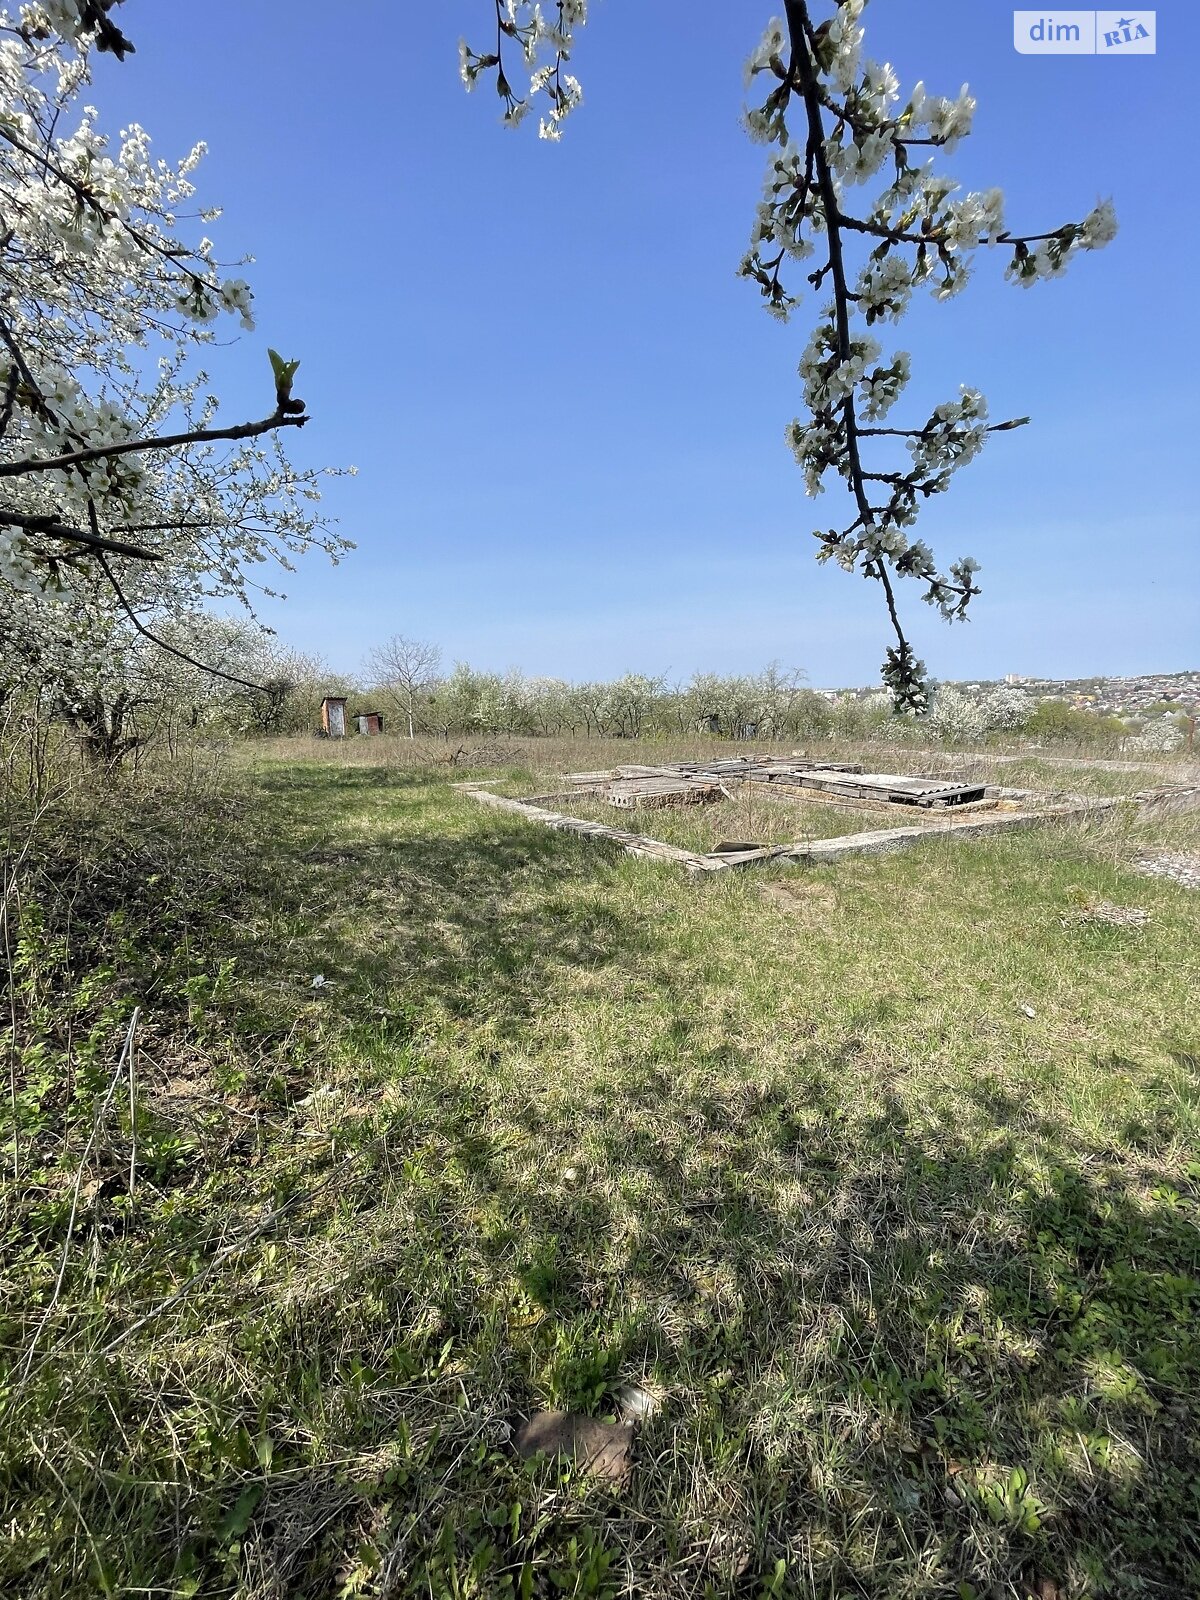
pixel 131 697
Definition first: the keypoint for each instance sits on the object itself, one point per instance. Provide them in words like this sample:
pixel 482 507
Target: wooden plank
pixel 636 785
pixel 560 795
pixel 812 780
pixel 792 793
pixel 761 852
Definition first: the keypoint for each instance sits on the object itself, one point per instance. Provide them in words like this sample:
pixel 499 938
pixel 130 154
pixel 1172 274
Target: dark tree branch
pixel 10 396
pixel 804 73
pixel 171 650
pixel 931 427
pixel 882 230
pixel 167 441
pixel 160 527
pixel 54 529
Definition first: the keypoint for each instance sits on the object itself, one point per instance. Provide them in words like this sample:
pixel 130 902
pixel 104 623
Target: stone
pixel 602 1448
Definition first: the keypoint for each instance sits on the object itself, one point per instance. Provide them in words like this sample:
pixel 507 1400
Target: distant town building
pixel 1114 697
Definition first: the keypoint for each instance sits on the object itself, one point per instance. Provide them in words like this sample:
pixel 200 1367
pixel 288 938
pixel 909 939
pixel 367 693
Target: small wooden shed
pixel 369 722
pixel 333 716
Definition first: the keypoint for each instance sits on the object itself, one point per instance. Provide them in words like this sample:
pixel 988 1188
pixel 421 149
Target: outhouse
pixel 333 716
pixel 369 722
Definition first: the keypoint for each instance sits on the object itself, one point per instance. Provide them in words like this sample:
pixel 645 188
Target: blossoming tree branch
pixel 839 120
pixel 119 486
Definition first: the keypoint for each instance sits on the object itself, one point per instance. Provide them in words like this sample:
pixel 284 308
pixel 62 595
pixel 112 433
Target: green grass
pixel 914 1271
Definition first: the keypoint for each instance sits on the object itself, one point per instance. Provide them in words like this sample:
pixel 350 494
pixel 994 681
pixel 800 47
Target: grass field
pixel 883 1177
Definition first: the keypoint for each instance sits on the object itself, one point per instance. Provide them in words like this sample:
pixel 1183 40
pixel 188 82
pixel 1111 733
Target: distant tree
pixel 552 706
pixel 780 691
pixel 635 699
pixel 504 704
pixel 838 119
pixel 1056 720
pixel 1006 709
pixel 956 717
pixel 405 671
pixel 121 692
pixel 453 702
pixel 1160 737
pixel 810 716
pixel 595 702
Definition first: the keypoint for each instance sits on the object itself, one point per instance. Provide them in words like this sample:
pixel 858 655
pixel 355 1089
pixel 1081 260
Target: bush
pixel 1056 720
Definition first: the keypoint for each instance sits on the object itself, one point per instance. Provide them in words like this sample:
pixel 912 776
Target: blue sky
pixel 566 411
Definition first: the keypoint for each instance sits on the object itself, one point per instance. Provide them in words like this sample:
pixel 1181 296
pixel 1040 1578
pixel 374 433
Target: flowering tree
pixel 838 120
pixel 956 717
pixel 120 490
pixel 1159 738
pixel 1006 709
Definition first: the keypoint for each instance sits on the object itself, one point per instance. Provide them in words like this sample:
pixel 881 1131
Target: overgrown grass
pixel 542 762
pixel 884 1176
pixel 745 816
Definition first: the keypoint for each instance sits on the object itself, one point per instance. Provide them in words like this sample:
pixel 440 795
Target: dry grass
pixel 542 762
pixel 746 815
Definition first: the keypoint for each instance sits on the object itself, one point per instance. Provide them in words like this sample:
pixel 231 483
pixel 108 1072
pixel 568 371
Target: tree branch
pixel 50 526
pixel 881 230
pixel 803 71
pixel 168 441
pixel 162 644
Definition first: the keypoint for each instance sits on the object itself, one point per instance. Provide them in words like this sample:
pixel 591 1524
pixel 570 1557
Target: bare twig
pixel 131 1053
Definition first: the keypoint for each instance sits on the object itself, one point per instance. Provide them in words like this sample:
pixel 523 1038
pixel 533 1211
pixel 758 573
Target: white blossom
pixel 1099 227
pixel 109 305
pixel 860 157
pixel 883 387
pixel 845 37
pixel 949 121
pixel 468 71
pixel 1158 738
pixel 524 24
pixel 770 47
pixel 884 288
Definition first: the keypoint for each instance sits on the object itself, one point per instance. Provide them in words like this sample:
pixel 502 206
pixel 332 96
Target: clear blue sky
pixel 567 412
